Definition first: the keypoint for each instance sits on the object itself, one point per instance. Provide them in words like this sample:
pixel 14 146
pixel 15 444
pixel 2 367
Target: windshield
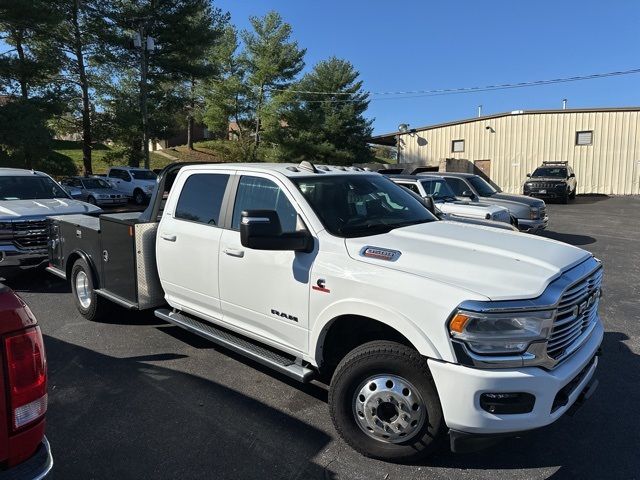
pixel 558 172
pixel 438 189
pixel 93 183
pixel 361 205
pixel 143 174
pixel 482 186
pixel 29 188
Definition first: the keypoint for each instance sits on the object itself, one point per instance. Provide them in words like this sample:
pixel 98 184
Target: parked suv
pixel 422 329
pixel 27 198
pixel 552 180
pixel 445 200
pixel 135 183
pixel 96 191
pixel 24 450
pixel 530 212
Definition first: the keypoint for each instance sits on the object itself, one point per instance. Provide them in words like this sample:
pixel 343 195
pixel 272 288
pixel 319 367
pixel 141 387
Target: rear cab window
pixel 201 198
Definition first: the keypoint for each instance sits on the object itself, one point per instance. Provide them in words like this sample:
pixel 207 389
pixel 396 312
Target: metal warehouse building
pixel 601 144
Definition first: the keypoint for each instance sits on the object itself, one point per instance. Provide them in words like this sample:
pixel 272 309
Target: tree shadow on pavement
pixel 599 442
pixel 122 418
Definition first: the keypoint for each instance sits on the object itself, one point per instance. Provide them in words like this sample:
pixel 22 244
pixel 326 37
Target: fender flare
pixel 374 311
pixel 84 256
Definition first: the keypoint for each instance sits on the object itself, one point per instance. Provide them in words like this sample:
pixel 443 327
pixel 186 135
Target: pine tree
pixel 326 120
pixel 272 61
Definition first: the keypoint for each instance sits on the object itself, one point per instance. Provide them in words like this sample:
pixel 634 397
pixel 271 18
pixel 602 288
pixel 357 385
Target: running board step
pixel 238 344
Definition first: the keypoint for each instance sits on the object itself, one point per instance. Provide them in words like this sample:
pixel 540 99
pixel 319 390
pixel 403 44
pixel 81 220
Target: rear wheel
pixel 384 403
pixel 90 305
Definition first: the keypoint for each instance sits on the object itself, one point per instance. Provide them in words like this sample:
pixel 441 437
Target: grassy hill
pixel 67 159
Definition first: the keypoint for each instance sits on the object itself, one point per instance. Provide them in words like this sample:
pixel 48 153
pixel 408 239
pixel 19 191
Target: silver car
pixel 96 191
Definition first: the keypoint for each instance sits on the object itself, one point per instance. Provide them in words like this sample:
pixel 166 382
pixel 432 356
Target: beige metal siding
pixel 610 165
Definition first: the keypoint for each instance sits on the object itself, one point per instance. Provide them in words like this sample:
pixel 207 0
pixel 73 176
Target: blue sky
pixel 424 45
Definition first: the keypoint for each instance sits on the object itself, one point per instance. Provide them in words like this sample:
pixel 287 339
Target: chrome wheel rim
pixel 388 408
pixel 83 291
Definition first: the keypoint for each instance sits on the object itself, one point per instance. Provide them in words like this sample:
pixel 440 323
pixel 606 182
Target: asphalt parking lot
pixel 136 398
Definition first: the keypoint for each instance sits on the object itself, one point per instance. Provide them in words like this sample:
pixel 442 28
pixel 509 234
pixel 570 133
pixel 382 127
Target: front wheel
pixel 384 403
pixel 138 197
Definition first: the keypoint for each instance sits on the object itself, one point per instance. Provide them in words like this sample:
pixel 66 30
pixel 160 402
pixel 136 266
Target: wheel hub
pixel 82 289
pixel 388 408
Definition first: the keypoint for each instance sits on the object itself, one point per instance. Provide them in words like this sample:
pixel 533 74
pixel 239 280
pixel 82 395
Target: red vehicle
pixel 24 450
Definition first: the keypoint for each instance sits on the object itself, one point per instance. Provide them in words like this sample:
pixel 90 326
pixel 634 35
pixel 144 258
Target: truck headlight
pixel 496 333
pixel 534 213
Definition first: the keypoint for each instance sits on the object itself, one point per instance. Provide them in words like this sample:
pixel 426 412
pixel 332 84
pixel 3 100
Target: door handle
pixel 234 252
pixel 168 237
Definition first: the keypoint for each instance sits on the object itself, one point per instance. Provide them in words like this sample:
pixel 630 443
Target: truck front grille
pixel 578 308
pixel 30 235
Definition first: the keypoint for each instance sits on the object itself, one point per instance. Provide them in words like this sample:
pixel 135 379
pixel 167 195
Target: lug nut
pixel 405 417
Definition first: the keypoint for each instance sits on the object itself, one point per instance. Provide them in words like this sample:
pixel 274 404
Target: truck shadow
pixel 599 442
pixel 571 239
pixel 123 418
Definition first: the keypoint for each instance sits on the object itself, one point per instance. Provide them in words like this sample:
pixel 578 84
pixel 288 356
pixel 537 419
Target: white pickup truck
pixel 422 329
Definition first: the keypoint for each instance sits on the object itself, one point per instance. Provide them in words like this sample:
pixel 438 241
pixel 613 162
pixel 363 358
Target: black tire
pixel 565 198
pixel 138 196
pixel 91 200
pixel 98 307
pixel 573 194
pixel 393 359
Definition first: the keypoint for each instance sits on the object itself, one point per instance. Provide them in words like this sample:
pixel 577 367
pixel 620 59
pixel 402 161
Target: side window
pixel 124 175
pixel 458 186
pixel 77 183
pixel 201 198
pixel 411 186
pixel 114 173
pixel 255 193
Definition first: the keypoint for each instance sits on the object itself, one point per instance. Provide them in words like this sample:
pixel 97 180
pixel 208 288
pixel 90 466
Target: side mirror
pixel 573 175
pixel 528 175
pixel 429 204
pixel 261 230
pixel 468 193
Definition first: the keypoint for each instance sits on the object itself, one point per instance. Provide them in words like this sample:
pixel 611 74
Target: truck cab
pixel 423 330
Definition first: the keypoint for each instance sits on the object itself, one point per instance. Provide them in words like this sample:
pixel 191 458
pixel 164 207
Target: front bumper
pixel 460 388
pixel 35 468
pixel 549 192
pixel 533 226
pixel 111 201
pixel 11 257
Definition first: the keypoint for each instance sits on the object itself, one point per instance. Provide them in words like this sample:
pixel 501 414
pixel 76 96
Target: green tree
pixel 77 37
pixel 325 120
pixel 183 30
pixel 29 75
pixel 271 61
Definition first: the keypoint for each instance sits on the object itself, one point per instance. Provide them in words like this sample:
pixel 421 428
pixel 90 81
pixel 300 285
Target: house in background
pixel 601 144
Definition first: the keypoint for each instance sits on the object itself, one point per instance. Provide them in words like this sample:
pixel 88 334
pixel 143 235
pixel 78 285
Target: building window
pixel 457 146
pixel 584 138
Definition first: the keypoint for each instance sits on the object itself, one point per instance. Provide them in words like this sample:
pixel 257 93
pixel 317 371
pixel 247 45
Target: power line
pixel 389 95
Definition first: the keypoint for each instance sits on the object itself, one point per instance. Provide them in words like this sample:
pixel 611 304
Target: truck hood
pixel 497 264
pixel 18 209
pixel 506 198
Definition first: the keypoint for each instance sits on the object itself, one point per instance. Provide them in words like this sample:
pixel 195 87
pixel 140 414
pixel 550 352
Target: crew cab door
pixel 188 241
pixel 265 292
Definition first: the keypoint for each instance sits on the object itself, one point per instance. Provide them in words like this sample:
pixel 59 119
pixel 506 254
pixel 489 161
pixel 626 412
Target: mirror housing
pixel 572 175
pixel 528 175
pixel 261 230
pixel 429 204
pixel 468 194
